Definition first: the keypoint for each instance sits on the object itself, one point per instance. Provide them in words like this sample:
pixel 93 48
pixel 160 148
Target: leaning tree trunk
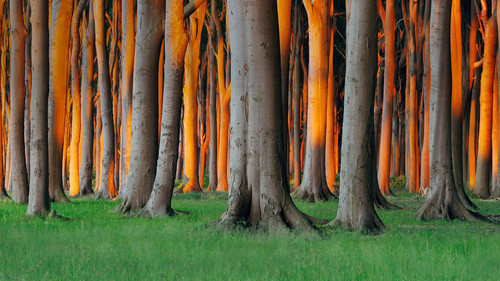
pixel 483 171
pixel 58 85
pixel 39 201
pixel 144 142
pixel 107 186
pixel 443 201
pixel 19 178
pixel 314 186
pixel 259 191
pixel 87 137
pixel 159 203
pixel 356 205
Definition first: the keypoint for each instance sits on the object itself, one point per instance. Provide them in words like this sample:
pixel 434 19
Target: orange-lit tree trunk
pixel 107 187
pixel 144 141
pixel 58 86
pixel 19 177
pixel 74 169
pixel 3 192
pixel 87 132
pixel 298 30
pixel 389 73
pixel 483 170
pixel 191 182
pixel 314 186
pixel 39 200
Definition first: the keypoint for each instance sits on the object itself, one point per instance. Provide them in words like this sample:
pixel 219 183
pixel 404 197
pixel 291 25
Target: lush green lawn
pixel 99 245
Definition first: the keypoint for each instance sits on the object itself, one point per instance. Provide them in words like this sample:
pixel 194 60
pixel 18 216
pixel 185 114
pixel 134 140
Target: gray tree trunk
pixel 258 191
pixel 442 201
pixel 19 176
pixel 356 206
pixel 144 142
pixel 39 201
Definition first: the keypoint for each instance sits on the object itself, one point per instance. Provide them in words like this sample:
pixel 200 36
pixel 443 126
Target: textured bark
pixel 314 186
pixel 258 194
pixel 39 200
pixel 356 205
pixel 442 201
pixel 384 156
pixel 495 188
pixel 19 178
pixel 107 187
pixel 424 159
pixel 128 49
pixel 74 184
pixel 483 170
pixel 58 87
pixel 159 203
pixel 296 96
pixel 87 137
pixel 27 83
pixel 144 141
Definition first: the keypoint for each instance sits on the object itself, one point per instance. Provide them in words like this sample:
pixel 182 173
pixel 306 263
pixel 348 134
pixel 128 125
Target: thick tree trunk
pixel 58 85
pixel 144 141
pixel 356 205
pixel 87 138
pixel 314 186
pixel 74 184
pixel 107 187
pixel 442 201
pixel 19 177
pixel 159 203
pixel 258 194
pixel 39 200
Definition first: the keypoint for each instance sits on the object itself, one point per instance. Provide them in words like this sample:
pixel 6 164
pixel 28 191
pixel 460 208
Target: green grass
pixel 99 245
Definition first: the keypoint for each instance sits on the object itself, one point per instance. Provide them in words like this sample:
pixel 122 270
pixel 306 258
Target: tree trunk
pixel 212 64
pixel 144 141
pixel 87 138
pixel 58 85
pixel 107 187
pixel 495 189
pixel 39 200
pixel 356 206
pixel 258 194
pixel 314 187
pixel 159 203
pixel 19 177
pixel 443 201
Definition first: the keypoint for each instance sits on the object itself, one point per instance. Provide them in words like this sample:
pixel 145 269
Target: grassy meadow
pixel 96 244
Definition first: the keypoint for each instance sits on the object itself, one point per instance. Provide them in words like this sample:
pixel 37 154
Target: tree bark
pixel 144 141
pixel 19 176
pixel 356 205
pixel 39 200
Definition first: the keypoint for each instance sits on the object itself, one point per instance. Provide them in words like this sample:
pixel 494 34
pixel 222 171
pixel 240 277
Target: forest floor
pixel 96 244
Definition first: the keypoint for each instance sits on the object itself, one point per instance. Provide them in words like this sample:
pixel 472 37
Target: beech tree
pixel 356 202
pixel 19 177
pixel 39 201
pixel 258 189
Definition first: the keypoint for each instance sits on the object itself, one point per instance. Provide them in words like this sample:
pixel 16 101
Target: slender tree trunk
pixel 39 200
pixel 212 64
pixel 19 177
pixel 159 203
pixel 107 187
pixel 144 141
pixel 495 189
pixel 356 205
pixel 424 160
pixel 27 83
pixel 58 85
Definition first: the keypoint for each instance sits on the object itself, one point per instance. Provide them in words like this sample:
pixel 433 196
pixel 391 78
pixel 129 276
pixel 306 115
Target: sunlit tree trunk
pixel 107 187
pixel 159 203
pixel 443 201
pixel 483 170
pixel 314 186
pixel 19 177
pixel 39 200
pixel 191 182
pixel 58 87
pixel 424 159
pixel 144 141
pixel 258 195
pixel 356 209
pixel 87 137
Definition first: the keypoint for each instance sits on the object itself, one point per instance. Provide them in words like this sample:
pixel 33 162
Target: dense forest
pixel 271 101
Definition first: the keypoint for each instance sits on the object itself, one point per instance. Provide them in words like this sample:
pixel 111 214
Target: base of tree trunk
pixel 60 197
pixel 366 224
pixel 313 194
pixel 4 195
pixel 189 188
pixel 495 194
pixel 102 193
pixel 382 203
pixel 85 190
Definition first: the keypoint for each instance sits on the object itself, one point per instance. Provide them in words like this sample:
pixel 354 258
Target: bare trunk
pixel 212 64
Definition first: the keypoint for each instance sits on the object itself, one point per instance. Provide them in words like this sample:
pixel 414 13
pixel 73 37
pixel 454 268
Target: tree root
pixel 313 196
